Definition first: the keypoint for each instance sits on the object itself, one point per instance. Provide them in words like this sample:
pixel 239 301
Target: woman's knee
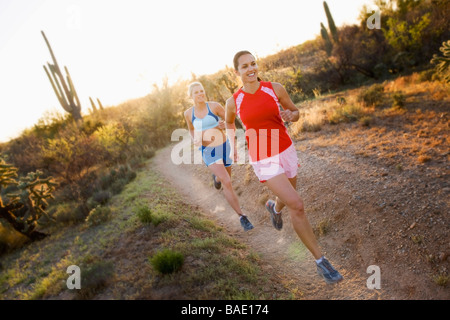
pixel 226 182
pixel 296 207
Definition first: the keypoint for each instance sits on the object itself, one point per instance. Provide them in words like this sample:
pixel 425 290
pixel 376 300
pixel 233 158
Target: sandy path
pixel 283 255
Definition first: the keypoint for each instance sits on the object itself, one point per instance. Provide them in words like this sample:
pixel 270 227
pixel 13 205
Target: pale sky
pixel 116 49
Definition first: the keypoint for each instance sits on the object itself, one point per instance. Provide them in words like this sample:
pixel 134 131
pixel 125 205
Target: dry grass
pixel 248 174
pixel 409 127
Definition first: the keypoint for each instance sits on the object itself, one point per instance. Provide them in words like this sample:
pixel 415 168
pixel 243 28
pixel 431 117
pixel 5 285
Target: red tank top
pixel 264 129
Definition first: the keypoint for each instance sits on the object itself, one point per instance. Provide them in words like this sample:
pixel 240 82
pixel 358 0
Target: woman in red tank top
pixel 271 151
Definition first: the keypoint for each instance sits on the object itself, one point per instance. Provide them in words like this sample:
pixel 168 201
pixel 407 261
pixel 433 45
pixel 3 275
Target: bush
pixel 67 212
pixel 116 179
pixel 346 113
pixel 144 214
pixel 98 215
pixel 118 185
pixel 372 96
pixel 398 100
pixel 94 278
pixel 167 261
pixel 366 121
pixel 312 122
pixel 101 197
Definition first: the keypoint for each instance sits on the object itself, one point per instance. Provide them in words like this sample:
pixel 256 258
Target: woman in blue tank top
pixel 207 132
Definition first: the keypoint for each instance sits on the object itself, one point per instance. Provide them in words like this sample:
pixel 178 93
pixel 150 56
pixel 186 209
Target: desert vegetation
pixel 65 172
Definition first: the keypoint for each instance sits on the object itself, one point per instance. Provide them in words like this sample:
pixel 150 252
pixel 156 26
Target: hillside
pixel 376 194
pixel 375 186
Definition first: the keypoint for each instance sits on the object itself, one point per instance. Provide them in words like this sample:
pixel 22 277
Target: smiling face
pixel 198 93
pixel 247 68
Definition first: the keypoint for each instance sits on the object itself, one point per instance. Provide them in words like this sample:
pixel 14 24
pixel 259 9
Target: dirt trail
pixel 284 257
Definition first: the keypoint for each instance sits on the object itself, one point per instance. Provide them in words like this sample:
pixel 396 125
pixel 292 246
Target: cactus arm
pixel 94 108
pixel 331 24
pixel 58 91
pixel 100 104
pixel 326 38
pixel 73 92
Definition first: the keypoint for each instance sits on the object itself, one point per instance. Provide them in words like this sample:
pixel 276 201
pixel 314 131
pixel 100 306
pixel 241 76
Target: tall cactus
pixel 443 63
pixel 94 108
pixel 63 87
pixel 326 38
pixel 333 30
pixel 331 24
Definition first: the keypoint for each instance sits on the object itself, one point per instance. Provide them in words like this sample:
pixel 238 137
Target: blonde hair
pixel 191 87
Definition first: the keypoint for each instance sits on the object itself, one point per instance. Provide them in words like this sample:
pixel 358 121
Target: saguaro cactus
pixel 326 39
pixel 331 24
pixel 333 30
pixel 63 87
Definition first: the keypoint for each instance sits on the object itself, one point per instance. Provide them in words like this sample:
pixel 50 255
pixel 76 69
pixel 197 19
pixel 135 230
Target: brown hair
pixel 236 59
pixel 237 56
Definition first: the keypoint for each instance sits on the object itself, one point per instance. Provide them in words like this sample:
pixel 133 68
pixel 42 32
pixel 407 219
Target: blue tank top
pixel 207 122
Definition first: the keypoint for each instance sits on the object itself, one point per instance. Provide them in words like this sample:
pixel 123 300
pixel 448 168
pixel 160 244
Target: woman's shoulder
pixel 188 112
pixel 274 84
pixel 277 87
pixel 213 105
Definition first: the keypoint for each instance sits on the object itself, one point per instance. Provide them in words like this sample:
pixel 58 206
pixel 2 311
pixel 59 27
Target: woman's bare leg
pixel 282 187
pixel 223 175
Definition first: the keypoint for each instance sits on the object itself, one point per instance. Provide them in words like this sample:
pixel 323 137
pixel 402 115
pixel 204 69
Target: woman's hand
pixel 221 125
pixel 287 115
pixel 197 142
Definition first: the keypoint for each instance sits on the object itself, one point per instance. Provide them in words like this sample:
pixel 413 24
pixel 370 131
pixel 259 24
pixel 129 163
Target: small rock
pixel 443 256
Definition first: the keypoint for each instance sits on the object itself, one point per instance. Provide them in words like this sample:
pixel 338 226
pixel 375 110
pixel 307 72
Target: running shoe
pixel 326 270
pixel 217 184
pixel 245 223
pixel 276 219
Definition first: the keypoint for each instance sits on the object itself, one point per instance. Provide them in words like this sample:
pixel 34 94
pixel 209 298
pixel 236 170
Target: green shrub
pixel 144 214
pixel 94 277
pixel 131 175
pixel 101 197
pixel 105 181
pixel 426 75
pixel 67 212
pixel 398 100
pixel 118 185
pixel 167 261
pixel 159 216
pixel 372 96
pixel 347 113
pixel 365 121
pixel 98 215
pixel 117 178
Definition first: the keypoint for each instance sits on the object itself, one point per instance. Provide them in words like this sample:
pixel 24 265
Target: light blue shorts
pixel 222 153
